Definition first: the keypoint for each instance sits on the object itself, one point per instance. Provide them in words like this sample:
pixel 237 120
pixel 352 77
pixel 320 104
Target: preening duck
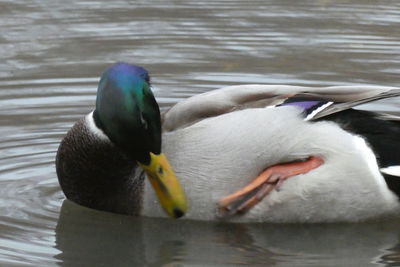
pixel 249 153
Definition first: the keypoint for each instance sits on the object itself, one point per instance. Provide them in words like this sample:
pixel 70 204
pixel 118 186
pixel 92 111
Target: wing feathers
pixel 228 99
pixel 337 107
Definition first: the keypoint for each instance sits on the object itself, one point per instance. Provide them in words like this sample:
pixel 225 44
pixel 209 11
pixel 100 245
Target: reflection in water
pixel 85 236
pixel 51 55
pixel 391 257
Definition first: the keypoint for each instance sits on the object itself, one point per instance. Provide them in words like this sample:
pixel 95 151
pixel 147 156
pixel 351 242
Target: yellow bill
pixel 166 185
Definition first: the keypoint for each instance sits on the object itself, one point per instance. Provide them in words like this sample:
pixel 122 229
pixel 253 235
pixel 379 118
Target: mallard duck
pixel 250 153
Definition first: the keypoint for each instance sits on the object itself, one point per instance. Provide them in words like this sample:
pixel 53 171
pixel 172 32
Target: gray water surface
pixel 51 55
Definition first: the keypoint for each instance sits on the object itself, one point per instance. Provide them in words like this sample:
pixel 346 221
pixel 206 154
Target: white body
pixel 216 156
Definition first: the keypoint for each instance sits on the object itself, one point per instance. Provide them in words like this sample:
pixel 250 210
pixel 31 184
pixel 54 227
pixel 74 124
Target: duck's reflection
pixel 92 238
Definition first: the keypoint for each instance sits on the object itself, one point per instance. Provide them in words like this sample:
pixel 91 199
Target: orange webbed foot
pixel 271 178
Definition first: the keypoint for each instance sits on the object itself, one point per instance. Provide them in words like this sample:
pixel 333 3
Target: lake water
pixel 51 55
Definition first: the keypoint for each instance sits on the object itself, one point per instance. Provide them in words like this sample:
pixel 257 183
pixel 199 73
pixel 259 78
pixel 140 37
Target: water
pixel 51 55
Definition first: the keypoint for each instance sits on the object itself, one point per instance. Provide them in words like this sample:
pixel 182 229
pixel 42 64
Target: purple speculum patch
pixel 303 104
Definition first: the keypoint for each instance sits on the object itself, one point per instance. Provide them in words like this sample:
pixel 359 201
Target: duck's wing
pixel 327 106
pixel 317 102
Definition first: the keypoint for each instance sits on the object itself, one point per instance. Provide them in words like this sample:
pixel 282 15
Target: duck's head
pixel 128 114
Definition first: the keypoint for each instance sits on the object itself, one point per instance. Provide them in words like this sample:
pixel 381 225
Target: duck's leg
pixel 248 196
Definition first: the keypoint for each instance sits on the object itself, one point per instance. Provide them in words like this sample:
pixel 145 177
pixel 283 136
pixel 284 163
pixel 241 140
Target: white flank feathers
pixel 217 156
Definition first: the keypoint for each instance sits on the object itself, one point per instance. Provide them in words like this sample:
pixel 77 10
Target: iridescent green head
pixel 128 113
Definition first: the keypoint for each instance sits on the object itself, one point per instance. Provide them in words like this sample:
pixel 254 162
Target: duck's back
pixel 220 140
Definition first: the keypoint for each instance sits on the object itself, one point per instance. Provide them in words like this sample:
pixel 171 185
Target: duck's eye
pixel 160 170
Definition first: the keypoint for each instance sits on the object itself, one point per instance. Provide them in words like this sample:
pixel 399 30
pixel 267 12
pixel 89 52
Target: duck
pixel 242 153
